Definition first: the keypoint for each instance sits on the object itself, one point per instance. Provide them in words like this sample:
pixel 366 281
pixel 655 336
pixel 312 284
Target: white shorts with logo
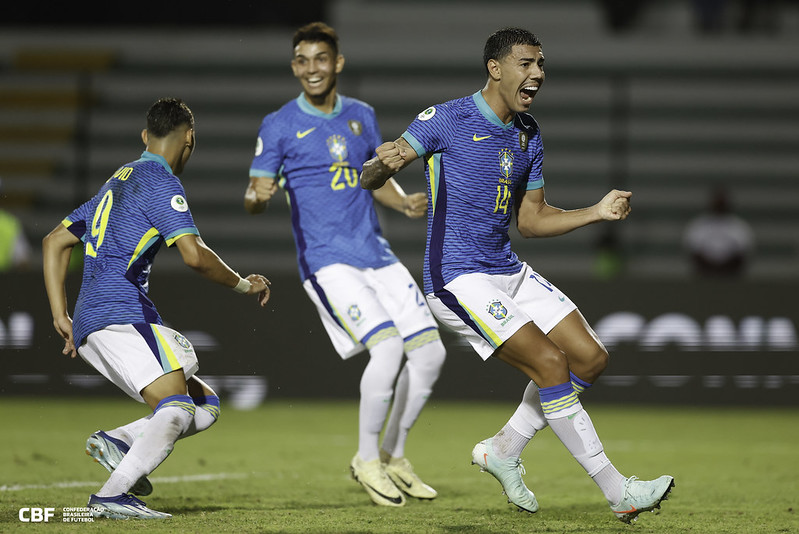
pixel 360 307
pixel 487 309
pixel 133 356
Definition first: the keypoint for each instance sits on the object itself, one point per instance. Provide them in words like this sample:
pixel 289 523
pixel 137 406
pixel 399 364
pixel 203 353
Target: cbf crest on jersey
pixel 355 126
pixel 506 162
pixel 337 146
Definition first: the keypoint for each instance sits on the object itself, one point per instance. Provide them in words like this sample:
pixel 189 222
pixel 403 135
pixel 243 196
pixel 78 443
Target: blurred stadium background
pixel 647 96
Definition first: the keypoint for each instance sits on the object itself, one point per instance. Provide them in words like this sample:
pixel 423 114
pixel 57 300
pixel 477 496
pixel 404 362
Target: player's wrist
pixel 243 287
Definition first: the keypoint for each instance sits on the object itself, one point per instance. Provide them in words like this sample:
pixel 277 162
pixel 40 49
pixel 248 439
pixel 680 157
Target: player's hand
pixel 415 205
pixel 615 206
pixel 392 155
pixel 63 325
pixel 260 286
pixel 264 189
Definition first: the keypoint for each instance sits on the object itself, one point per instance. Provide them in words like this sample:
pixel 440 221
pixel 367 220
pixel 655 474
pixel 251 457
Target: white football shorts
pixel 360 307
pixel 133 356
pixel 487 309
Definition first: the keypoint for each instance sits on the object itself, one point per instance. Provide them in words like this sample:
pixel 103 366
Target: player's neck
pixel 497 104
pixel 324 103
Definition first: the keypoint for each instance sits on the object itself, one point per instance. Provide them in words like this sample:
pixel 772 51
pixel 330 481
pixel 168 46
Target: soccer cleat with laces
pixel 401 473
pixel 108 452
pixel 122 506
pixel 508 472
pixel 642 496
pixel 375 481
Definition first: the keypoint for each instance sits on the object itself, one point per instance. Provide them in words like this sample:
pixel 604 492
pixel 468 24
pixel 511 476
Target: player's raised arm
pixel 536 218
pixel 199 256
pixel 56 252
pixel 258 194
pixel 391 158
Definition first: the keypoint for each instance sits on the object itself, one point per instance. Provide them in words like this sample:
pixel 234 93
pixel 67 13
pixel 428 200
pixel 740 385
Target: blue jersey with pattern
pixel 475 164
pixel 122 228
pixel 318 158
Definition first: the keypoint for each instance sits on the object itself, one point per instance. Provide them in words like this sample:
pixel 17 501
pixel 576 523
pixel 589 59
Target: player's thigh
pixel 402 299
pixel 546 305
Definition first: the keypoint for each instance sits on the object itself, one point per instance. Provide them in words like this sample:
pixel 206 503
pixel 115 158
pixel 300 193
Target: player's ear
pixel 144 136
pixel 339 64
pixel 494 69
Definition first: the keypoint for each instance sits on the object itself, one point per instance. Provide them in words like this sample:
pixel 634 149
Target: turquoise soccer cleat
pixel 108 452
pixel 508 472
pixel 642 496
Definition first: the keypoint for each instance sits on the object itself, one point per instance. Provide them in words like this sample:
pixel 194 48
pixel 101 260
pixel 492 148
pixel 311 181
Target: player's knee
pixel 597 363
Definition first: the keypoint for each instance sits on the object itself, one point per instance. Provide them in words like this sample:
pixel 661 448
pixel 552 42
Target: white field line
pixel 158 480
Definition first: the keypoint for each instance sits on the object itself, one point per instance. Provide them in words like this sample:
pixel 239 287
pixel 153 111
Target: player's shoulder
pixel 354 105
pixel 451 110
pixel 526 122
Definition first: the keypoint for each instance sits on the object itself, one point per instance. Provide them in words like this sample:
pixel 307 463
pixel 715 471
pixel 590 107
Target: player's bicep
pixel 530 203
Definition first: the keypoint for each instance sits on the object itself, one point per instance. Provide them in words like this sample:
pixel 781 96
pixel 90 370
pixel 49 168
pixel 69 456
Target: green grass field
pixel 284 468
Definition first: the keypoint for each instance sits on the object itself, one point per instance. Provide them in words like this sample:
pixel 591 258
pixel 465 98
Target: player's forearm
pixel 206 262
pixel 375 174
pixel 551 221
pixel 391 195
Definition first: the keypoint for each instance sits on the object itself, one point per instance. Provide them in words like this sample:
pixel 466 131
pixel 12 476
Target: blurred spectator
pixel 609 260
pixel 621 15
pixel 710 15
pixel 719 242
pixel 15 251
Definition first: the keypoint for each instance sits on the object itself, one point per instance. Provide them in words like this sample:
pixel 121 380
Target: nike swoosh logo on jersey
pixel 300 134
pixel 475 138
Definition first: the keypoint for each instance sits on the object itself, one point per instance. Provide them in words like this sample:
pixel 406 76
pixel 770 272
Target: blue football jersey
pixel 475 164
pixel 122 228
pixel 318 158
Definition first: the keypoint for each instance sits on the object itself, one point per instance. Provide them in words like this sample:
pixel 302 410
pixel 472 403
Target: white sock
pixel 414 387
pixel 522 426
pixel 203 419
pixel 377 388
pixel 576 431
pixel 171 418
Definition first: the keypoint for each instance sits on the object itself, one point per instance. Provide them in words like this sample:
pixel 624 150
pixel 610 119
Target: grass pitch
pixel 284 468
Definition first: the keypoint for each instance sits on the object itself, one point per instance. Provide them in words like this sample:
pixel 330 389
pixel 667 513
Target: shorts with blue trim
pixel 487 309
pixel 133 356
pixel 361 307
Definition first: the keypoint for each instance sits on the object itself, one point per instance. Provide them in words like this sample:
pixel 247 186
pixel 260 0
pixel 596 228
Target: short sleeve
pixel 430 131
pixel 268 149
pixel 168 210
pixel 536 178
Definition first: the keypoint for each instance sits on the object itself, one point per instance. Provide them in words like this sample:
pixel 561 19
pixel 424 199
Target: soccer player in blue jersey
pixel 484 160
pixel 313 147
pixel 116 328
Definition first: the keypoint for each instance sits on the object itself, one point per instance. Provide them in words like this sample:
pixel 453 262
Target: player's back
pixel 123 227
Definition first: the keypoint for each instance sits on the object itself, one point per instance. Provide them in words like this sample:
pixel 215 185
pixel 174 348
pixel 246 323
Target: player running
pixel 314 147
pixel 484 158
pixel 117 329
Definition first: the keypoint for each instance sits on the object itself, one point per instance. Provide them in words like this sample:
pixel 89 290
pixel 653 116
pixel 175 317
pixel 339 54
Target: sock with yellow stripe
pixel 574 428
pixel 171 418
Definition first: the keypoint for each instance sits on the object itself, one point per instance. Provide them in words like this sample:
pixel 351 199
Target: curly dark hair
pixel 166 115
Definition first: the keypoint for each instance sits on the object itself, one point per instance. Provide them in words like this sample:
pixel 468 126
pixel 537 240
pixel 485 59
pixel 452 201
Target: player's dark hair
pixel 501 43
pixel 316 32
pixel 166 115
